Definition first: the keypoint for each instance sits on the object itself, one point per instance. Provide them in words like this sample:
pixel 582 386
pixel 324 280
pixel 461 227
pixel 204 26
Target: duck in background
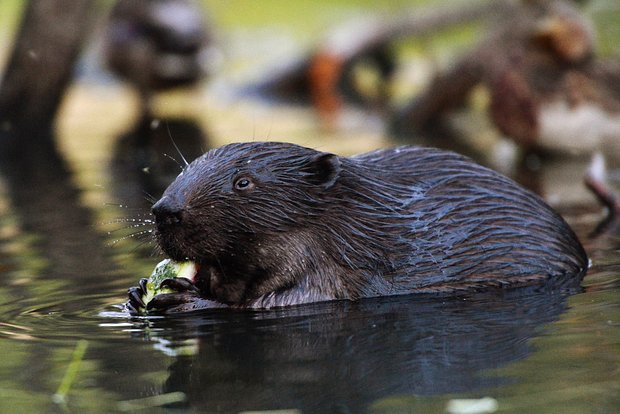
pixel 553 95
pixel 550 92
pixel 157 45
pixel 547 90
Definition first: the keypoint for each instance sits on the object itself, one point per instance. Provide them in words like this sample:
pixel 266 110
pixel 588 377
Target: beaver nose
pixel 167 211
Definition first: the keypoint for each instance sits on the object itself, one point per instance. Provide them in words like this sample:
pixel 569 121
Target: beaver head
pixel 244 212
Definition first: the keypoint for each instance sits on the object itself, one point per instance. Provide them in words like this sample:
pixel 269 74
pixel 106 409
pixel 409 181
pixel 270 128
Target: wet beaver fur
pixel 276 224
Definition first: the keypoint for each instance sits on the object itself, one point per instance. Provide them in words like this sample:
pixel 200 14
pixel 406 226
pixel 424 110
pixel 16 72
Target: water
pixel 67 257
pixel 64 277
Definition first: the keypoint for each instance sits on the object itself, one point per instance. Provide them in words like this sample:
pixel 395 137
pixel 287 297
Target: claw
pixel 135 296
pixel 167 300
pixel 135 304
pixel 184 292
pixel 131 308
pixel 179 284
pixel 142 284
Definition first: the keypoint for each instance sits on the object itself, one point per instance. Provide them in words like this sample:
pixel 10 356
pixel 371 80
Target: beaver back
pixel 462 224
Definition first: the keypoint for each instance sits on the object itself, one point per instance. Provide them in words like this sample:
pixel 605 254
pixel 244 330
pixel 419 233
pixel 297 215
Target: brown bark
pixel 448 91
pixel 45 50
pixel 298 81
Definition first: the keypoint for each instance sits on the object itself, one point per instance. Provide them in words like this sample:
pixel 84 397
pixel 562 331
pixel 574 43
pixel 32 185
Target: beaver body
pixel 276 224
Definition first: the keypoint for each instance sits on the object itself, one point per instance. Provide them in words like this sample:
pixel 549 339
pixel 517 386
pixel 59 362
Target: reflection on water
pixel 151 154
pixel 341 357
pixel 50 216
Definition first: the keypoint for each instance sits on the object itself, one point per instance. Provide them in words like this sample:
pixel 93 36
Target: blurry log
pixel 324 77
pixel 45 49
pixel 447 92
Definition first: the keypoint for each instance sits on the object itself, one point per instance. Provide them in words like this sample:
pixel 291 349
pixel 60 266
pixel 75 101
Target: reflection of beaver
pixel 275 224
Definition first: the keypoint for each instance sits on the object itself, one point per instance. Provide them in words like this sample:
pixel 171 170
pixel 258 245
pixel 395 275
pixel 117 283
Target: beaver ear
pixel 323 169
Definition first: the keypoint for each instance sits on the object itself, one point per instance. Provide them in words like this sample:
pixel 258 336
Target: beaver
pixel 276 224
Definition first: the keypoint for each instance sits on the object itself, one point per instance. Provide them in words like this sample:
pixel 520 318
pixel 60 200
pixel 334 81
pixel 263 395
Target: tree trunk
pixel 40 67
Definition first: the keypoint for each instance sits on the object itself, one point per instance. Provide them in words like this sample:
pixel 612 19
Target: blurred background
pixel 511 83
pixel 495 80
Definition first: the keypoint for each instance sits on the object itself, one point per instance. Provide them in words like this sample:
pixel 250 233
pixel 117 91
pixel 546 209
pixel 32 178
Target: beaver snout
pixel 171 221
pixel 168 212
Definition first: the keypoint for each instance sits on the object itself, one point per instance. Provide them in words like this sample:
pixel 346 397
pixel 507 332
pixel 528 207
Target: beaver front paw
pixel 170 295
pixel 135 304
pixel 179 294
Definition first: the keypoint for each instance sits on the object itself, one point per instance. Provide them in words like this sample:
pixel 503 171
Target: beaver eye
pixel 243 184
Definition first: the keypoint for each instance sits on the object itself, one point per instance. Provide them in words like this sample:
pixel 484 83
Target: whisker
pixel 143 243
pixel 131 221
pixel 175 145
pixel 123 206
pixel 131 227
pixel 149 197
pixel 135 236
pixel 175 160
pixel 155 250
